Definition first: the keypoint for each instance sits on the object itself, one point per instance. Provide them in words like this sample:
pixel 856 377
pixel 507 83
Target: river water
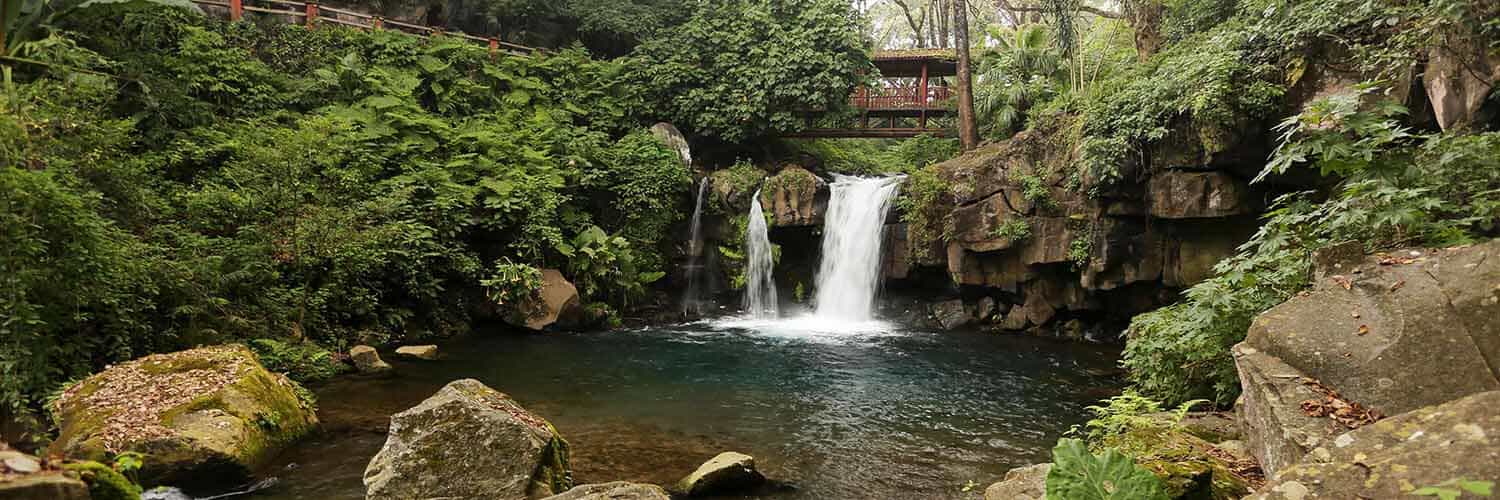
pixel 835 410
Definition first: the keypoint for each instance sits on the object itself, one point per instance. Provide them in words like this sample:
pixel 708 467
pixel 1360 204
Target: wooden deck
pixel 910 86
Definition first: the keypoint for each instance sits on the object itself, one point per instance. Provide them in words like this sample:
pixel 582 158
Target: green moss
pixel 1182 460
pixel 104 483
pixel 553 475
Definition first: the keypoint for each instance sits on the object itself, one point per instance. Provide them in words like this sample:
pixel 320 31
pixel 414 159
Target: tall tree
pixel 968 135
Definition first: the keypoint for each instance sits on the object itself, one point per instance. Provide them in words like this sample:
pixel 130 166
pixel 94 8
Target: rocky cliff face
pixel 1029 228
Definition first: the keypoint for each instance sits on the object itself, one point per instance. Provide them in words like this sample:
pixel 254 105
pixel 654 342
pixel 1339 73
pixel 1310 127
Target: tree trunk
pixel 1145 18
pixel 968 136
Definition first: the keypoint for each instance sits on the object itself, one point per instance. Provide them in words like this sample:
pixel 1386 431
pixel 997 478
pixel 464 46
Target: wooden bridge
pixel 311 14
pixel 909 99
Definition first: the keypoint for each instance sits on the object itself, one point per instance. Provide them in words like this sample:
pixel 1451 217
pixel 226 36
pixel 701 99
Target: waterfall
pixel 691 300
pixel 849 273
pixel 760 289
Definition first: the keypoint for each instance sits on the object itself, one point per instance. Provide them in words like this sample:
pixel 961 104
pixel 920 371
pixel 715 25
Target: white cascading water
pixel 760 288
pixel 849 274
pixel 691 300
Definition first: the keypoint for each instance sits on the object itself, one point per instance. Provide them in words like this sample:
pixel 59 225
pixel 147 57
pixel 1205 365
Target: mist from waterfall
pixel 760 288
pixel 849 274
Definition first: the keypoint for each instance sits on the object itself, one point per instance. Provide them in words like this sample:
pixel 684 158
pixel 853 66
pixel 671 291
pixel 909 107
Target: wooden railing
pixel 313 14
pixel 899 97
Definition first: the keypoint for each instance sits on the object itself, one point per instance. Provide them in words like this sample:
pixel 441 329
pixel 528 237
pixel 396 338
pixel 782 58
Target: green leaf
pixel 1079 475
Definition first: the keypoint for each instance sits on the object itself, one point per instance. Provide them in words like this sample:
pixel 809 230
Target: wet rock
pixel 559 304
pixel 952 314
pixel 1185 195
pixel 468 441
pixel 984 310
pixel 423 352
pixel 1037 309
pixel 1014 320
pixel 367 360
pixel 207 416
pixel 23 478
pixel 618 490
pixel 727 473
pixel 103 481
pixel 1387 459
pixel 1021 483
pixel 795 197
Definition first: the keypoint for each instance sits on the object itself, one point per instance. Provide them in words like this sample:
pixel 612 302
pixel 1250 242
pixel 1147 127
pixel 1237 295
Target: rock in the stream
pixel 207 416
pixel 618 490
pixel 22 477
pixel 468 441
pixel 1387 459
pixel 1021 483
pixel 726 473
pixel 367 360
pixel 951 314
pixel 422 352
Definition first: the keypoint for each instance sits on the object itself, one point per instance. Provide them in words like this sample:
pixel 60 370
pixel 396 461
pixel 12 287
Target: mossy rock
pixel 1184 462
pixel 201 417
pixel 104 482
pixel 469 441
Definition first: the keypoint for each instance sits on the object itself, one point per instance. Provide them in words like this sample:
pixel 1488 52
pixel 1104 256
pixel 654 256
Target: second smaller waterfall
pixel 691 297
pixel 760 288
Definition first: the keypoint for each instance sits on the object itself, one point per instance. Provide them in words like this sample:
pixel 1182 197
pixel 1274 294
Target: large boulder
pixel 618 490
pixel 203 417
pixel 23 477
pixel 795 197
pixel 726 473
pixel 1021 483
pixel 1459 78
pixel 1377 335
pixel 1388 459
pixel 1399 331
pixel 674 140
pixel 558 303
pixel 1178 194
pixel 367 360
pixel 469 441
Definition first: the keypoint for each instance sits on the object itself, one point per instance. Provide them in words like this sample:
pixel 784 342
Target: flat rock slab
pixel 618 490
pixel 1277 431
pixel 367 360
pixel 422 352
pixel 1390 458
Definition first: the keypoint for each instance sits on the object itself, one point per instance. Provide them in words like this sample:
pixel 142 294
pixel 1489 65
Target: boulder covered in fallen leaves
pixel 1450 446
pixel 202 417
pixel 1376 335
pixel 469 441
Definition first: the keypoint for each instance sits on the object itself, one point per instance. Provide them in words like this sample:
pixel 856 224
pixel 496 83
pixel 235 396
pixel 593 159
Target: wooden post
pixel 236 9
pixel 377 22
pixel 922 98
pixel 312 14
pixel 494 47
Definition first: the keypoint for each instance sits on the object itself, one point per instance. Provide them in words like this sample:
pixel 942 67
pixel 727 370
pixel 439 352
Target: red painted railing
pixel 899 98
pixel 312 14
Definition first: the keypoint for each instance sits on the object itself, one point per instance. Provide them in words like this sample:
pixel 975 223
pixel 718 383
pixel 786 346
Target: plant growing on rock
pixel 1077 474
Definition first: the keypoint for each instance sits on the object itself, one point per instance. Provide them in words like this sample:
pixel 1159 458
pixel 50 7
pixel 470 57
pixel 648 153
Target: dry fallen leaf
pixel 1355 314
pixel 1343 281
pixel 1397 285
pixel 1363 329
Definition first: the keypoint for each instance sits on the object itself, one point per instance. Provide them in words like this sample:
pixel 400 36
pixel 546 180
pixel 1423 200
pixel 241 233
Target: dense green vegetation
pixel 171 180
